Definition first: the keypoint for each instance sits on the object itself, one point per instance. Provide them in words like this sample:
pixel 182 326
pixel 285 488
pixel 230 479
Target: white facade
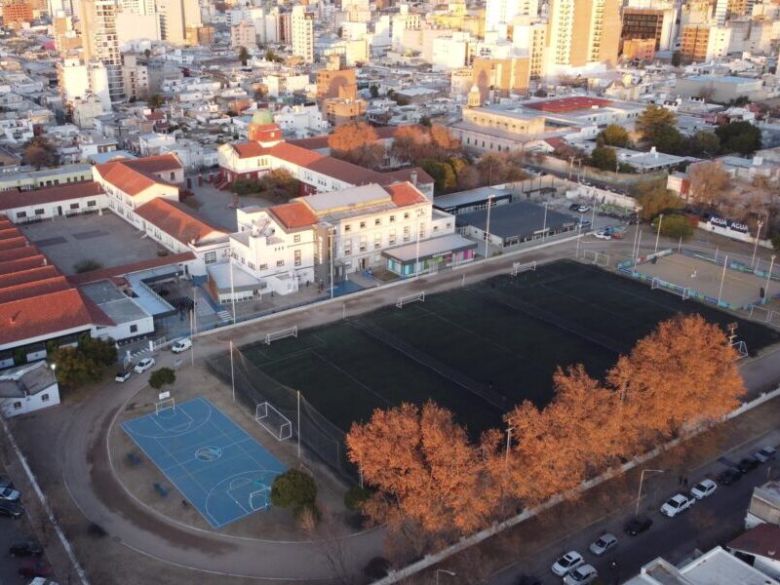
pixel 302 25
pixel 27 388
pixel 27 212
pixel 244 35
pixel 301 121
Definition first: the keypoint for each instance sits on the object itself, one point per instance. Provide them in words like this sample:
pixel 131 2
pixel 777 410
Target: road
pixel 712 521
pixel 67 445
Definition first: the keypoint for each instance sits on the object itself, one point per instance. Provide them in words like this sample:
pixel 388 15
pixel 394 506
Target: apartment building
pixel 302 33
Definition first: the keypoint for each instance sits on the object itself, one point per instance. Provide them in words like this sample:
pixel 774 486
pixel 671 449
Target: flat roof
pixel 242 280
pixel 723 79
pixel 517 219
pixel 119 307
pixel 571 104
pixel 470 197
pixel 429 248
pixel 356 197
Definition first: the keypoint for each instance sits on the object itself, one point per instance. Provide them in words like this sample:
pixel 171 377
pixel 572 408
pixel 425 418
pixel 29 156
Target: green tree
pixel 657 199
pixel 160 377
pixel 73 369
pixel 704 143
pixel 740 137
pixel 156 101
pixel 669 140
pixel 39 152
pixel 294 490
pixel 675 226
pixel 243 56
pixel 614 135
pixel 100 351
pixel 603 158
pixel 443 175
pixel 374 91
pixel 652 121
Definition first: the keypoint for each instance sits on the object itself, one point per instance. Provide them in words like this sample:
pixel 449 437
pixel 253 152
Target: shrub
pixel 160 377
pixel 87 266
pixel 376 568
pixel 675 226
pixel 355 497
pixel 293 489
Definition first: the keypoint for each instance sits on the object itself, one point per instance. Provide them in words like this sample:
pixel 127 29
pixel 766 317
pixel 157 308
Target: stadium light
pixel 768 279
pixel 544 224
pixel 755 244
pixel 487 227
pixel 658 234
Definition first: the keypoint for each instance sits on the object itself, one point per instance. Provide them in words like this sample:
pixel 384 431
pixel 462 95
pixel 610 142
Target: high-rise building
pixel 335 81
pixel 65 38
pixel 649 23
pixel 721 12
pixel 582 33
pixel 503 12
pixel 135 76
pixel 77 80
pixel 176 16
pixel 694 40
pixel 302 32
pixel 243 35
pixel 100 41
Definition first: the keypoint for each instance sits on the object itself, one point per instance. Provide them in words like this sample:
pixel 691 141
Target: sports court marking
pixel 215 464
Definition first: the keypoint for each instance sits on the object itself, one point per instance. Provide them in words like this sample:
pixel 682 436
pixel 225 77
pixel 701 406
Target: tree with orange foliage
pixel 411 143
pixel 357 143
pixel 681 375
pixel 424 468
pixel 441 137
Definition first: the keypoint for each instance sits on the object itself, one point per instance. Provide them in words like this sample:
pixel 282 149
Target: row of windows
pixel 377 221
pixel 41 211
pixel 18 404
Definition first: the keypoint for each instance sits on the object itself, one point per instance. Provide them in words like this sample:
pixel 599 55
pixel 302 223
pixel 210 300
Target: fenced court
pixel 699 278
pixel 477 350
pixel 216 465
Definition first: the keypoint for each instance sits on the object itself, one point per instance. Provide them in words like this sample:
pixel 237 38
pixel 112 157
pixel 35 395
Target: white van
pixel 181 345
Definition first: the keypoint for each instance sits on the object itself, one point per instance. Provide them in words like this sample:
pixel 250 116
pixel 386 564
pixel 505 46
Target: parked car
pixel 25 548
pixel 11 509
pixel 763 455
pixel 729 476
pixel 603 544
pixel 10 495
pixel 748 464
pixel 528 580
pixel 42 581
pixel 181 345
pixel 568 562
pixel 704 489
pixel 123 376
pixel 143 365
pixel 582 575
pixel 637 525
pixel 35 568
pixel 574 207
pixel 602 235
pixel 677 504
pixel 583 208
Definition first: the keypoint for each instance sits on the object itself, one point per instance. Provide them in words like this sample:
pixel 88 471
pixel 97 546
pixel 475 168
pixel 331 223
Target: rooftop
pixel 177 221
pixel 14 199
pixel 119 308
pixel 570 104
pixel 517 219
pixel 430 247
pixel 762 540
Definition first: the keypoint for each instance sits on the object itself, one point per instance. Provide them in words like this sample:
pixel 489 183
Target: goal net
pixel 164 406
pixel 415 298
pixel 281 334
pixel 655 283
pixel 273 421
pixel 519 268
pixel 595 257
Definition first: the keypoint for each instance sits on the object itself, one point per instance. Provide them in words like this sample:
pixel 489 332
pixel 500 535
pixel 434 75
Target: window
pixel 173 176
pixel 74 205
pixel 347 228
pixel 264 267
pixel 406 215
pixel 362 224
pixel 133 328
pixel 297 239
pixel 297 256
pixel 91 203
pixel 21 214
pixel 17 405
pixel 39 212
pixel 251 265
pixel 210 257
pixel 44 398
pixel 280 263
pixel 377 221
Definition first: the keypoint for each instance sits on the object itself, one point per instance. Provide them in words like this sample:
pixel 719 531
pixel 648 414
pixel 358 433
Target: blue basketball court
pixel 216 465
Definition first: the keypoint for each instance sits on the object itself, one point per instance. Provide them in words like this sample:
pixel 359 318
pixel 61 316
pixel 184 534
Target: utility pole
pixel 641 481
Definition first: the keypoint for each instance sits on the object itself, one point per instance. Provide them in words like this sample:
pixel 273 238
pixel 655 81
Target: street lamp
pixel 487 226
pixel 544 224
pixel 641 481
pixel 755 244
pixel 658 234
pixel 768 279
pixel 446 572
pixel 508 444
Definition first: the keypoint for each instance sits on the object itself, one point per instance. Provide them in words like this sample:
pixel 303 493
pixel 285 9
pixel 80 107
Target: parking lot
pixel 105 239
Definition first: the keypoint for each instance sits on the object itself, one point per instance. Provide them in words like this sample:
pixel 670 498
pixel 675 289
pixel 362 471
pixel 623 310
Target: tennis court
pixel 216 465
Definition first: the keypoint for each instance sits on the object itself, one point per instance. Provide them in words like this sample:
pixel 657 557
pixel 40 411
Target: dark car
pixel 36 568
pixel 527 580
pixel 5 483
pixel 637 525
pixel 728 476
pixel 748 464
pixel 11 509
pixel 574 207
pixel 25 548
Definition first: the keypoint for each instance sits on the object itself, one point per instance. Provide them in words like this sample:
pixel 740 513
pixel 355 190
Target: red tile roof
pixel 404 194
pixel 27 263
pixel 17 253
pixel 20 276
pixel 176 220
pixel 13 243
pixel 295 154
pixel 316 142
pixel 294 215
pixel 36 288
pixel 762 540
pixel 13 199
pixel 569 104
pixel 249 149
pixel 135 175
pixel 10 232
pixel 42 316
pixel 109 273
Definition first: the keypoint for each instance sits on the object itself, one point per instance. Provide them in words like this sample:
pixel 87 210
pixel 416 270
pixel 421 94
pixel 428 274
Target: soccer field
pixel 477 350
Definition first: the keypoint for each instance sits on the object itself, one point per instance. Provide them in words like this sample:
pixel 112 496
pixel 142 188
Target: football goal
pixel 414 298
pixel 273 421
pixel 595 257
pixel 281 334
pixel 519 268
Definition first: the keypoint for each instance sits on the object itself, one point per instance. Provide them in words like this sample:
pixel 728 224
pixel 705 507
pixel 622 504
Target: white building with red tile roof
pixel 51 202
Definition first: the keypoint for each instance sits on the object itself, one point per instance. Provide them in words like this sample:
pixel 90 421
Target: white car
pixel 144 365
pixel 677 504
pixel 603 544
pixel 9 495
pixel 704 489
pixel 181 345
pixel 123 376
pixel 582 575
pixel 568 562
pixel 602 235
pixel 765 454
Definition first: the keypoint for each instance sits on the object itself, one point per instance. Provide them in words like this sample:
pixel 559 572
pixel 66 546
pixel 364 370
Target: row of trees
pixel 432 484
pixel 84 363
pixel 277 185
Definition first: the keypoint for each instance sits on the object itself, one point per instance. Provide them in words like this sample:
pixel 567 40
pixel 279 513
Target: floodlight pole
pixel 298 424
pixel 635 248
pixel 755 244
pixel 723 277
pixel 641 481
pixel 658 233
pixel 768 279
pixel 232 290
pixel 232 372
pixel 192 335
pixel 544 223
pixel 417 253
pixel 487 226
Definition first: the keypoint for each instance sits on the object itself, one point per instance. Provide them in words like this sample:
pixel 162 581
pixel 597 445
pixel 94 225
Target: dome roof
pixel 263 117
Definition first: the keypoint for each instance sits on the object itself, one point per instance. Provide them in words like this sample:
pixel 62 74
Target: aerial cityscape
pixel 351 292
